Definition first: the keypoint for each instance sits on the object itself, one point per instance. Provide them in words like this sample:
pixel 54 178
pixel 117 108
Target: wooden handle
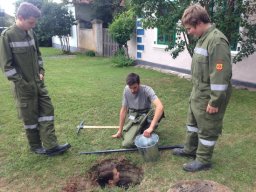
pixel 99 127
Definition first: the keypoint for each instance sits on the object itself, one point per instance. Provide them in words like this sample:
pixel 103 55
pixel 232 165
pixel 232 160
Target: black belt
pixel 141 111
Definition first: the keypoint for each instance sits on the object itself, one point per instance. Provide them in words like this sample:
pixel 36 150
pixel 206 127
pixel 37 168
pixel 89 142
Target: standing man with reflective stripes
pixel 211 78
pixel 22 64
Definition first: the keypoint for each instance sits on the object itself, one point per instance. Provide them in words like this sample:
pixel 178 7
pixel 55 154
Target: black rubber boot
pixel 180 152
pixel 40 151
pixel 60 149
pixel 194 166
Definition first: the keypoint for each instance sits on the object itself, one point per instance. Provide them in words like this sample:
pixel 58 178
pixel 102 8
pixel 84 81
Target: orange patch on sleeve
pixel 219 67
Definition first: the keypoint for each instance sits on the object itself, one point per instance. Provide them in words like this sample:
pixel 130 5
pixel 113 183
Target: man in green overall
pixel 211 78
pixel 136 103
pixel 22 64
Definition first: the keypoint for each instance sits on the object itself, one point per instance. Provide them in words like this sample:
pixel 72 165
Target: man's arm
pixel 6 60
pixel 220 75
pixel 122 115
pixel 159 109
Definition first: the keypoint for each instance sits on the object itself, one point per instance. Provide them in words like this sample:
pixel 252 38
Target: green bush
pixel 90 53
pixel 121 60
pixel 122 27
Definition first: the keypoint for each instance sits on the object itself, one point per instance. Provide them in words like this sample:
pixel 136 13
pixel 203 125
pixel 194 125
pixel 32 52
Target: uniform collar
pixel 205 34
pixel 21 31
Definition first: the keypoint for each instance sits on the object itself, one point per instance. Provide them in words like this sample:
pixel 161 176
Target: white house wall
pixel 148 53
pixel 156 53
pixel 245 70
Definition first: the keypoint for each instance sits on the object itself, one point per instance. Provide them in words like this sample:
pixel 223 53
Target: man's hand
pixel 41 77
pixel 159 109
pixel 147 132
pixel 211 109
pixel 117 135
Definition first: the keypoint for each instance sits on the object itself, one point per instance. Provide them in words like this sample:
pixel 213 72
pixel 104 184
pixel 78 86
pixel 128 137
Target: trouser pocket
pixel 24 89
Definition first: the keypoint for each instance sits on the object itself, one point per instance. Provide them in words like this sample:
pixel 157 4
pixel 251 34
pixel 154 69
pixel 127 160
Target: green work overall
pixel 21 62
pixel 137 122
pixel 211 75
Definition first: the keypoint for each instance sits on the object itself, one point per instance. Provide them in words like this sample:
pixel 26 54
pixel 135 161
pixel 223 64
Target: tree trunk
pixel 64 42
pixel 126 50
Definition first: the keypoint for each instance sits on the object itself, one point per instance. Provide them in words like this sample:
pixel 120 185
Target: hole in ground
pixel 98 176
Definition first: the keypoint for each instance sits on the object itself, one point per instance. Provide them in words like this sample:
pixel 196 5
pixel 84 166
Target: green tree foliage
pixel 5 20
pixel 47 21
pixel 228 15
pixel 38 3
pixel 122 27
pixel 106 9
pixel 55 20
pixel 58 21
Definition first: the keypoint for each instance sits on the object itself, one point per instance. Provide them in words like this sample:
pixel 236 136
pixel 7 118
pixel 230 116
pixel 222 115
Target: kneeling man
pixel 137 107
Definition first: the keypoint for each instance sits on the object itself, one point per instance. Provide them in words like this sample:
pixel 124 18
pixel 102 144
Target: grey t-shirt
pixel 141 100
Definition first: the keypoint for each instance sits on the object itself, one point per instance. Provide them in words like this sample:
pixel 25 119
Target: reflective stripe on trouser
pixel 191 141
pixel 37 112
pixel 205 149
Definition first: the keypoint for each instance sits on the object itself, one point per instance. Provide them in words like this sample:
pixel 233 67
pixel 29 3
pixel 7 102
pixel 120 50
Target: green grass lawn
pixel 90 89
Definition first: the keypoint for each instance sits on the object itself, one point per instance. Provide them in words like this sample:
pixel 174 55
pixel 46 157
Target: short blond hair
pixel 195 14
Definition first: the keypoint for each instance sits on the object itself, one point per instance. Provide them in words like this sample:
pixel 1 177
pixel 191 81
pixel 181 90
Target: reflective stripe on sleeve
pixel 30 126
pixel 10 72
pixel 201 51
pixel 192 129
pixel 207 142
pixel 23 43
pixel 46 118
pixel 219 87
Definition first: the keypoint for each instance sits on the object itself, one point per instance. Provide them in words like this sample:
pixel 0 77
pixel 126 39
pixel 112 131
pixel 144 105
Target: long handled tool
pixel 127 150
pixel 82 126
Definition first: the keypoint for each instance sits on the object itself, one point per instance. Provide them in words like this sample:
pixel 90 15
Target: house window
pixel 139 39
pixel 165 39
pixel 138 55
pixel 140 31
pixel 140 47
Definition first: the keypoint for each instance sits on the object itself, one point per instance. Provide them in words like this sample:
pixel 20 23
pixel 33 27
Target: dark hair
pixel 132 78
pixel 106 174
pixel 195 14
pixel 27 10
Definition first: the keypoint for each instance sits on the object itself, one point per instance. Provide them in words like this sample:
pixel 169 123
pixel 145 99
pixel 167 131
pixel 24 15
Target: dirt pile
pixel 198 186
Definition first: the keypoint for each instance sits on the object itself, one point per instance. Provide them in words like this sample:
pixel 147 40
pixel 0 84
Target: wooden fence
pixel 109 45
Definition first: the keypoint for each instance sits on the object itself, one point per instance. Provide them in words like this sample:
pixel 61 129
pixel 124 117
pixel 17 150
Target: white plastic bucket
pixel 148 147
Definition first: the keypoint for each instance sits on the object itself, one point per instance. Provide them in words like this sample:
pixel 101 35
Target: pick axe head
pixel 80 126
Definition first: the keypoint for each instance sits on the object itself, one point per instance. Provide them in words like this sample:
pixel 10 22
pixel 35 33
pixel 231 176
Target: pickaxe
pixel 82 126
